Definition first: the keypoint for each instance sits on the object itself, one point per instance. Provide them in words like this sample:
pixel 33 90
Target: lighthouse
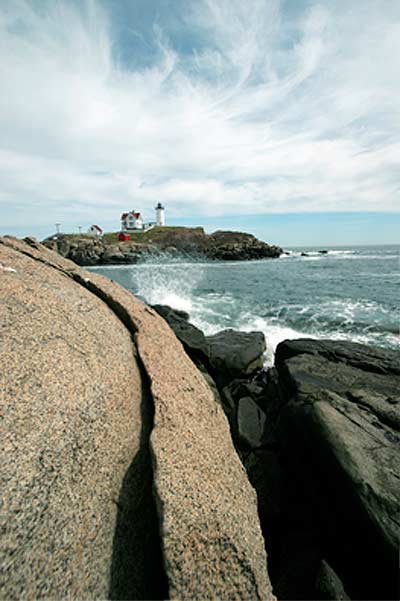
pixel 160 214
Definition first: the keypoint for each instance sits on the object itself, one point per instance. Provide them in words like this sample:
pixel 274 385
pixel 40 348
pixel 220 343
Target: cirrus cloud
pixel 222 107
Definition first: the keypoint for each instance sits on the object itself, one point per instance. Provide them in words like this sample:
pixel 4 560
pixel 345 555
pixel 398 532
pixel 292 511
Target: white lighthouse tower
pixel 160 214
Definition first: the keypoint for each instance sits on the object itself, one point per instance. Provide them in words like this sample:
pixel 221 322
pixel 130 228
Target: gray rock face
pixel 360 356
pixel 341 433
pixel 236 353
pixel 329 585
pixel 234 246
pixel 251 421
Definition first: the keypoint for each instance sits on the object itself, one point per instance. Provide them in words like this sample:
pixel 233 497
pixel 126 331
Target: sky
pixel 277 117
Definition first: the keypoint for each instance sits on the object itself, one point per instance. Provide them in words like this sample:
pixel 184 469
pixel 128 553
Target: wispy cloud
pixel 254 109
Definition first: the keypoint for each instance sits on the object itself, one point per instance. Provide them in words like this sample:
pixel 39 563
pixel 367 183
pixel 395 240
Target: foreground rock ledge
pixel 78 404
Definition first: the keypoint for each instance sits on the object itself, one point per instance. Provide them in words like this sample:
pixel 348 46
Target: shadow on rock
pixel 137 570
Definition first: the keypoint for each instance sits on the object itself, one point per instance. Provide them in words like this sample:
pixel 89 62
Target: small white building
pixel 131 221
pixel 95 230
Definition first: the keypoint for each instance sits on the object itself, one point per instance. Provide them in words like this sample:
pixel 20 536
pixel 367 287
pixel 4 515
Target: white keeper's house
pixel 133 222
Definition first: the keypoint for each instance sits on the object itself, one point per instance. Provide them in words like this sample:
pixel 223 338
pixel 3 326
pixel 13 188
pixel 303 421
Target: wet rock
pixel 329 586
pixel 266 475
pixel 360 356
pixel 114 256
pixel 339 430
pixel 236 353
pixel 170 314
pixel 250 422
pixel 192 338
pixel 234 246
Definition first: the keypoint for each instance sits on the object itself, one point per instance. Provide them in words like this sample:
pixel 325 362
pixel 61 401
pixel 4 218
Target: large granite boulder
pixel 211 536
pixel 76 466
pixel 339 430
pixel 97 383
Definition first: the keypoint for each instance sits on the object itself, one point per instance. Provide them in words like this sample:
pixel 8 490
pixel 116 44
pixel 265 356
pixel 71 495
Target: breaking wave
pixel 331 298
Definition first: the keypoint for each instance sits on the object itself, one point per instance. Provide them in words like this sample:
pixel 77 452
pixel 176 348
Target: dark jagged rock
pixel 250 422
pixel 170 314
pixel 329 586
pixel 228 354
pixel 234 354
pixel 192 338
pixel 366 358
pixel 236 246
pixel 339 429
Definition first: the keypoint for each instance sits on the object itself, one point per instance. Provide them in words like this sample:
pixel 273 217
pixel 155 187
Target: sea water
pixel 350 293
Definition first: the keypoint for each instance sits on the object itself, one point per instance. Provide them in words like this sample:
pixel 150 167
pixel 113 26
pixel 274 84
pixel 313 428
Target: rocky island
pixel 174 241
pixel 145 460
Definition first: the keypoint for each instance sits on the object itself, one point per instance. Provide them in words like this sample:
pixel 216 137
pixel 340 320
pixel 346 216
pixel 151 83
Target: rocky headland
pixel 145 460
pixel 173 241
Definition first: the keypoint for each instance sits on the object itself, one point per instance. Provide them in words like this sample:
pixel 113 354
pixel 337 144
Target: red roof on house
pixel 136 214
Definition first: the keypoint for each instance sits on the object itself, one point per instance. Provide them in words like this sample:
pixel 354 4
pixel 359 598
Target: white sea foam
pixel 274 334
pixel 336 254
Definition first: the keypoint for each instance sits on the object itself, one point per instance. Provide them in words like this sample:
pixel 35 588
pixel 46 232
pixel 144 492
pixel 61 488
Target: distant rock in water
pixel 174 241
pixel 119 476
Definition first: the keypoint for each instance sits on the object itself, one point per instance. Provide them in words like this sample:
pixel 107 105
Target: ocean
pixel 348 293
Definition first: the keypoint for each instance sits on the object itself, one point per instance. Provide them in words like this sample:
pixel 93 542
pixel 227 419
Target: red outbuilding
pixel 122 236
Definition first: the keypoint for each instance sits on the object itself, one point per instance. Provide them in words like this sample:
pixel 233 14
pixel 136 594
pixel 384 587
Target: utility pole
pixel 80 229
pixel 58 225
